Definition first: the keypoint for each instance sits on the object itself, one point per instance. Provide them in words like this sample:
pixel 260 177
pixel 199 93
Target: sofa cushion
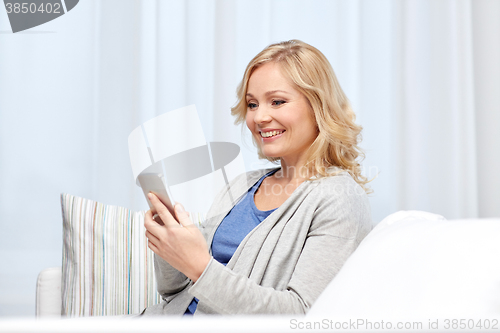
pixel 419 265
pixel 107 268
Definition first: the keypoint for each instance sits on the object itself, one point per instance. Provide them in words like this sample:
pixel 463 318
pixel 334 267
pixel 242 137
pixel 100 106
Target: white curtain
pixel 423 77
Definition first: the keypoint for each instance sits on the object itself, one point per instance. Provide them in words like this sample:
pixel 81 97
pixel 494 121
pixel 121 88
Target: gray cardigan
pixel 282 265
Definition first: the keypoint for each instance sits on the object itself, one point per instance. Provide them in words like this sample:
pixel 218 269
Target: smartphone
pixel 154 182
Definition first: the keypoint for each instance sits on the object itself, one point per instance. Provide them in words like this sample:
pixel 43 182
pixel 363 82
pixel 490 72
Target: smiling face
pixel 279 116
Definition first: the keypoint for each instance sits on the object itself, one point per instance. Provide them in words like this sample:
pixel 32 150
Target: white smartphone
pixel 153 182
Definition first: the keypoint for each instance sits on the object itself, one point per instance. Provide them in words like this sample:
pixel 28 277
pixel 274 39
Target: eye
pixel 278 102
pixel 251 106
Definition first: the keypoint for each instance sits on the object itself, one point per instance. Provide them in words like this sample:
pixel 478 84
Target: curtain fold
pixel 486 53
pixel 437 153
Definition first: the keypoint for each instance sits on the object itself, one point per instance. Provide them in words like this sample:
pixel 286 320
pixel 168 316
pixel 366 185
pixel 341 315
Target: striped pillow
pixel 107 267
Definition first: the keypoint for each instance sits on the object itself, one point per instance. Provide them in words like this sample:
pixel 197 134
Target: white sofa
pixel 48 293
pixel 414 265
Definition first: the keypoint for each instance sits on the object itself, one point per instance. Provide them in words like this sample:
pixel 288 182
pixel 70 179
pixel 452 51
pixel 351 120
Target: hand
pixel 178 241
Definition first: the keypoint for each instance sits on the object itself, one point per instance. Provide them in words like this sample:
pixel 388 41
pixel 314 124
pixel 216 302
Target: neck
pixel 292 172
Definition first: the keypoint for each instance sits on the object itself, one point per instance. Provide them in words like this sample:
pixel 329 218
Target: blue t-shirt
pixel 237 224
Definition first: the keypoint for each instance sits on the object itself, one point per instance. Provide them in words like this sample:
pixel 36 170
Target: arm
pixel 170 281
pixel 226 292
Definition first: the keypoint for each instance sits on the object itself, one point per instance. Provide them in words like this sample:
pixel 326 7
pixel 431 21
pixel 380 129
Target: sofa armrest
pixel 48 292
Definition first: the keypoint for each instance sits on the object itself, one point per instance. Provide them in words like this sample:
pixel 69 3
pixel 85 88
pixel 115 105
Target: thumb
pixel 181 215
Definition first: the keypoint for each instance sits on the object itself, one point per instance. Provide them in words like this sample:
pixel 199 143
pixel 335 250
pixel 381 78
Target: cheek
pixel 313 130
pixel 249 121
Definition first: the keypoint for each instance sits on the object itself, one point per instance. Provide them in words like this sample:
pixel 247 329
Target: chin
pixel 271 155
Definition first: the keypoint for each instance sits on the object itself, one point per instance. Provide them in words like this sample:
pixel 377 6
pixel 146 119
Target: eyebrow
pixel 270 93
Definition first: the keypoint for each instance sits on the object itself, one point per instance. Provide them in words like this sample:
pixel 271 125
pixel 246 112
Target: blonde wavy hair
pixel 311 74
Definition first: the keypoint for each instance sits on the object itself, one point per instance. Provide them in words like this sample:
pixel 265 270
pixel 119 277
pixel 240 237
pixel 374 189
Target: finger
pixel 153 247
pixel 182 215
pixel 151 215
pixel 162 211
pixel 148 220
pixel 152 226
pixel 157 219
pixel 152 238
pixel 157 204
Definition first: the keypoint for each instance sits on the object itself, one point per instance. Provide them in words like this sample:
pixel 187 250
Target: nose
pixel 262 115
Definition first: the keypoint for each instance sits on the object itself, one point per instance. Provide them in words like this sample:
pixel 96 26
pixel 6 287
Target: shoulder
pixel 341 206
pixel 338 185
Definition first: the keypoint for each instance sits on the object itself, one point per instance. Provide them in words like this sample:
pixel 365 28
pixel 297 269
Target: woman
pixel 292 228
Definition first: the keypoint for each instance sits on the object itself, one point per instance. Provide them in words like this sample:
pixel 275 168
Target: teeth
pixel 269 134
